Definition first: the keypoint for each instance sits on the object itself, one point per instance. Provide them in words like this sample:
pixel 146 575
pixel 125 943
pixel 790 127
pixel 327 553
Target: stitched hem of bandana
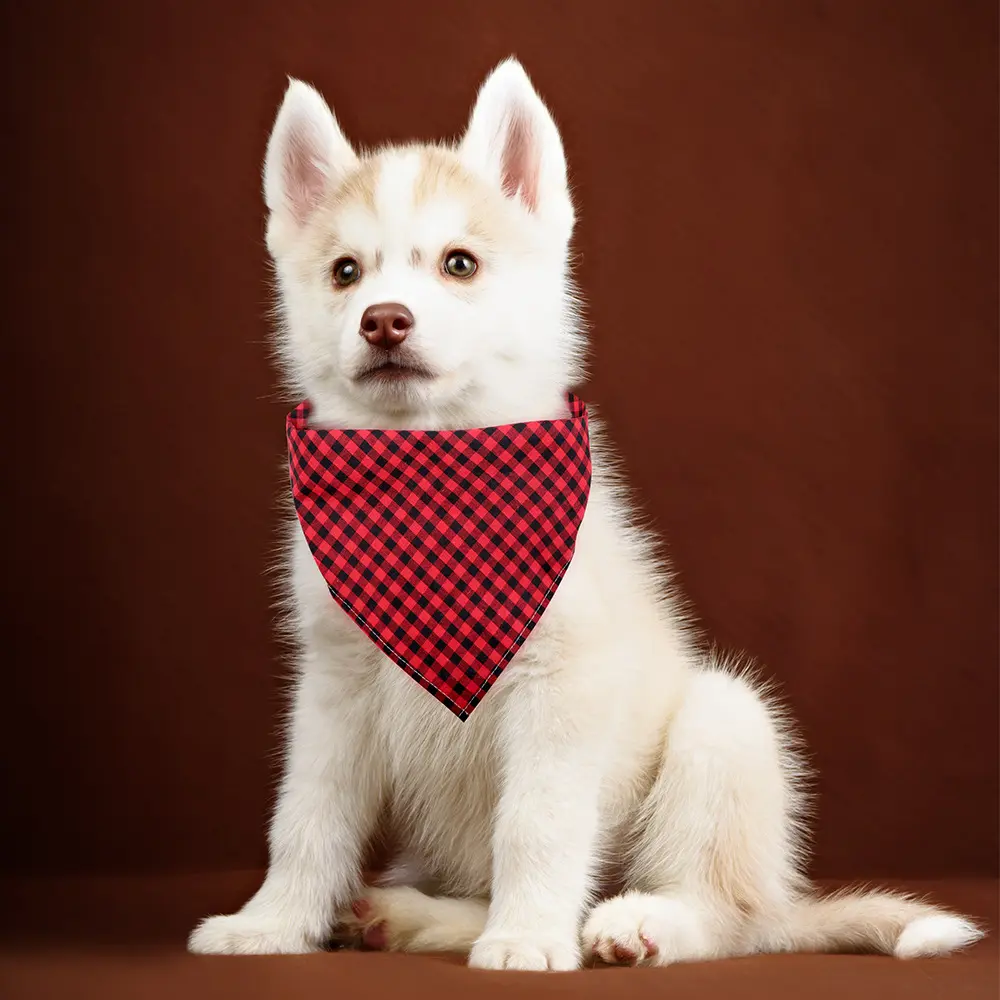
pixel 477 696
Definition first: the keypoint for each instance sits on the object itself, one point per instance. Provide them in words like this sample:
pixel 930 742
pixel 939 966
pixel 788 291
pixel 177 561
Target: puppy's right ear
pixel 306 154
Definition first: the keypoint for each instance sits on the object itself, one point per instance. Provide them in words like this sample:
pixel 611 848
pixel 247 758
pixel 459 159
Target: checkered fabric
pixel 444 546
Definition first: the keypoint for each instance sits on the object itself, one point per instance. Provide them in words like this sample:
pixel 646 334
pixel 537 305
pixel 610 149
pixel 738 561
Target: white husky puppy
pixel 428 286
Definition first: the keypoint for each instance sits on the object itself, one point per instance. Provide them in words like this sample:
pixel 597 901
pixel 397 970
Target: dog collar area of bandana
pixel 445 547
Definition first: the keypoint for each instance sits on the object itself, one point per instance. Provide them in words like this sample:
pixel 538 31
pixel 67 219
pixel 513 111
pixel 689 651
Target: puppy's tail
pixel 872 921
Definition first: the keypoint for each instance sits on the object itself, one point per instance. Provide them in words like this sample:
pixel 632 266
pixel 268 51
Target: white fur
pixel 611 746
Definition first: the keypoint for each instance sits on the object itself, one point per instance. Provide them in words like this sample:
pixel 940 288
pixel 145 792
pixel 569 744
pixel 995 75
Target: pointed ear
pixel 306 153
pixel 513 141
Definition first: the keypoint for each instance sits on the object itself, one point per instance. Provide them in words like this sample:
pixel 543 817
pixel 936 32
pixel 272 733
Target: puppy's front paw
pixel 243 934
pixel 532 952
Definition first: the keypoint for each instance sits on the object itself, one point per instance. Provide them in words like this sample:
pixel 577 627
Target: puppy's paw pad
pixel 375 937
pixel 616 935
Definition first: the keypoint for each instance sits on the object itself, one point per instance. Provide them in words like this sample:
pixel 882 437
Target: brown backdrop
pixel 789 242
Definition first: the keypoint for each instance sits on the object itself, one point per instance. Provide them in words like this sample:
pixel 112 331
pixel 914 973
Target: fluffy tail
pixel 872 921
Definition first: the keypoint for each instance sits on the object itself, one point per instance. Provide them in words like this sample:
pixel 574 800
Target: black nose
pixel 386 324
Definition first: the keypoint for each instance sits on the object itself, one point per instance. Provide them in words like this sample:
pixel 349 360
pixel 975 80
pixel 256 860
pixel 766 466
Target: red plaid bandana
pixel 444 546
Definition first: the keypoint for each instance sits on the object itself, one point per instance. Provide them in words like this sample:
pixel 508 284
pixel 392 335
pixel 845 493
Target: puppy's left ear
pixel 513 142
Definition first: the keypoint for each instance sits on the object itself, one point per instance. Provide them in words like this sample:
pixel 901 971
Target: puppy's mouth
pixel 393 370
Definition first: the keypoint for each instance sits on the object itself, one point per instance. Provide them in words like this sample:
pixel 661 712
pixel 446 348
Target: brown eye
pixel 346 271
pixel 460 264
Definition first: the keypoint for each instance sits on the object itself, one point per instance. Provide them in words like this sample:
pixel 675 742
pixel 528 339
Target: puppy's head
pixel 425 285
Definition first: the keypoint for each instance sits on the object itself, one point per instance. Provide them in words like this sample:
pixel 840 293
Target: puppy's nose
pixel 386 324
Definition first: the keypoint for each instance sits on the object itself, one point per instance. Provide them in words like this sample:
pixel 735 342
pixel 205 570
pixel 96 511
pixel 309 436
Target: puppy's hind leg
pixel 714 850
pixel 716 867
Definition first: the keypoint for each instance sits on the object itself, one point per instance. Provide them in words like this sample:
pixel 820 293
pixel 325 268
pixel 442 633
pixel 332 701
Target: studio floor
pixel 120 936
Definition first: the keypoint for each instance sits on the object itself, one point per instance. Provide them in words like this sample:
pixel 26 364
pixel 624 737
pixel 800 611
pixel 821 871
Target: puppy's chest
pixel 442 777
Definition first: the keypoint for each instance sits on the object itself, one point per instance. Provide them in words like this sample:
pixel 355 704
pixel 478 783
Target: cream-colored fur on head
pixel 500 346
pixel 612 747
